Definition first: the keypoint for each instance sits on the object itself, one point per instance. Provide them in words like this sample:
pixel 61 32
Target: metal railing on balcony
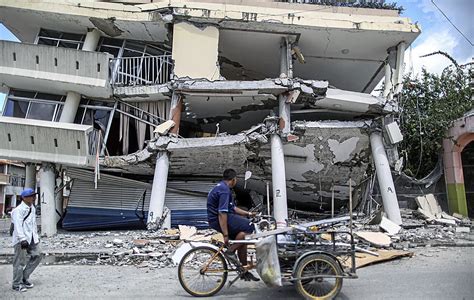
pixel 143 70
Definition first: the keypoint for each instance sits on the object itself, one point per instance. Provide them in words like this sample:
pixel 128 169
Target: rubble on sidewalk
pixel 429 209
pixel 139 248
pixel 158 249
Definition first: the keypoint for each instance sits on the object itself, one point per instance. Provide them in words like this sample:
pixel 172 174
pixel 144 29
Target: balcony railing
pixel 144 70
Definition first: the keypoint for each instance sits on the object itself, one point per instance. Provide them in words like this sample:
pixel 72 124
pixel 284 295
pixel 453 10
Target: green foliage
pixel 429 105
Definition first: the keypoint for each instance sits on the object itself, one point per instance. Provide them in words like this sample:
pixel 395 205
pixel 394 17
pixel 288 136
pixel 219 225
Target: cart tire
pixel 189 271
pixel 318 288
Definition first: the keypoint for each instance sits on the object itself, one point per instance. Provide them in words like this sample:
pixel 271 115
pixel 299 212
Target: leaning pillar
pixel 47 200
pixel 384 177
pixel 160 178
pixel 280 206
pixel 158 191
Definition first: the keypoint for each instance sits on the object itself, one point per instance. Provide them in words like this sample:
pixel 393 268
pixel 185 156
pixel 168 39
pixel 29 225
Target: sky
pixel 437 33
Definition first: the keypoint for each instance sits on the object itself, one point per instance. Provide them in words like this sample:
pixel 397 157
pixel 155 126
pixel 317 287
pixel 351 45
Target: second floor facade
pixel 151 44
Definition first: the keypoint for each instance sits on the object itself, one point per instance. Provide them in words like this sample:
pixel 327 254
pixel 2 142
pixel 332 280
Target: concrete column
pixel 390 73
pixel 48 206
pixel 73 99
pixel 70 107
pixel 158 191
pixel 286 62
pixel 160 178
pixel 92 40
pixel 30 178
pixel 280 207
pixel 399 67
pixel 175 112
pixel 384 177
pixel 284 113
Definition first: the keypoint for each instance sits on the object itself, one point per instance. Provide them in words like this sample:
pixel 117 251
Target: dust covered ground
pixel 432 273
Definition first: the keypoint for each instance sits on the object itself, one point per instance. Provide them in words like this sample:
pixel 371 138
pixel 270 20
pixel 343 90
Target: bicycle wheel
pixel 202 271
pixel 318 288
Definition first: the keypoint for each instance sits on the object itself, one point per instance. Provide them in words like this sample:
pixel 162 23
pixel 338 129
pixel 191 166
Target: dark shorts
pixel 235 224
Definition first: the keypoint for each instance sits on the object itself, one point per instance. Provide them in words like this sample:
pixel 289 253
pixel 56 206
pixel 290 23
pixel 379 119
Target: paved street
pixel 435 273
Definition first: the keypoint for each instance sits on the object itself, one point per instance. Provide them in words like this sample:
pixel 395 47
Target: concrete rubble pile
pixel 425 228
pixel 428 226
pixel 142 249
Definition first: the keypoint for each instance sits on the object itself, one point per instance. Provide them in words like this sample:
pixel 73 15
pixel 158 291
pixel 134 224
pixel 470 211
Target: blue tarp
pixel 79 218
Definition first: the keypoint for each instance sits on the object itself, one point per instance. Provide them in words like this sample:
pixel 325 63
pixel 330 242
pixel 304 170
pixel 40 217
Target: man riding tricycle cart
pixel 311 256
pixel 310 260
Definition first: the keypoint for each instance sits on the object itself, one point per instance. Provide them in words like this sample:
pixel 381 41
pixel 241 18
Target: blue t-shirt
pixel 219 199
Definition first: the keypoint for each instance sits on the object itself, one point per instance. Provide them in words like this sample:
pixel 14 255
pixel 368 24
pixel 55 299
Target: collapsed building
pixel 137 107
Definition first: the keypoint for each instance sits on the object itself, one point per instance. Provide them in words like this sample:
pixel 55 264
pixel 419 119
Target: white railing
pixel 143 70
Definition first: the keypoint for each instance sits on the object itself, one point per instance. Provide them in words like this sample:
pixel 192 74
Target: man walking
pixel 25 241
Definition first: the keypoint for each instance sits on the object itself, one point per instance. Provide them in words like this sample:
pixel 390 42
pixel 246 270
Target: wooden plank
pixel 363 259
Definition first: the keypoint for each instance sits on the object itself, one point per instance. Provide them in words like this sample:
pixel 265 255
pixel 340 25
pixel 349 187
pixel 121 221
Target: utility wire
pixel 447 18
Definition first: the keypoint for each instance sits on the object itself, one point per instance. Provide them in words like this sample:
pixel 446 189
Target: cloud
pixel 460 14
pixel 436 41
pixel 439 35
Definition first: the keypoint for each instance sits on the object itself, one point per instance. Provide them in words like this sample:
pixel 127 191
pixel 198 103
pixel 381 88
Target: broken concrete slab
pixel 200 237
pixel 445 221
pixel 426 214
pixel 463 229
pixel 390 227
pixel 140 243
pixel 251 88
pixel 449 217
pixel 429 204
pixel 378 239
pixel 185 232
pixel 183 249
pixel 164 127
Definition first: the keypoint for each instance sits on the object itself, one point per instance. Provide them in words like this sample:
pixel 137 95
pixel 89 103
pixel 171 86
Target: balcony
pixel 44 141
pixel 144 76
pixel 54 70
